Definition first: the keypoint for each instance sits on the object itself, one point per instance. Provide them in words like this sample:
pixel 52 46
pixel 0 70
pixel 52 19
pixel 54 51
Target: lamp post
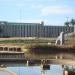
pixel 20 6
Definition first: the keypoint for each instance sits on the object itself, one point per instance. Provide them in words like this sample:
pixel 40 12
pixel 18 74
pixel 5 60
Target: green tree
pixel 67 23
pixel 72 22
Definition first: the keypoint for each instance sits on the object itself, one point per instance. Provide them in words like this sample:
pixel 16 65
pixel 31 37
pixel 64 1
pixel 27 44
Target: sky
pixel 52 12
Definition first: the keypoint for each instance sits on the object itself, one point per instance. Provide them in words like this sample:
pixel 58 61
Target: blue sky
pixel 53 12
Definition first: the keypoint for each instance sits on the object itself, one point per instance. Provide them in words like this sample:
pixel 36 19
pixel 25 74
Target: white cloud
pixel 55 10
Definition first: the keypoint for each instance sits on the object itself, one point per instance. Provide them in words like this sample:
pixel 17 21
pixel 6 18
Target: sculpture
pixel 60 39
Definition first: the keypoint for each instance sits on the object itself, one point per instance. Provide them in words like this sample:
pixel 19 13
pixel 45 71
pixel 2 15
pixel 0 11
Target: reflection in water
pixel 35 70
pixel 54 70
pixel 2 73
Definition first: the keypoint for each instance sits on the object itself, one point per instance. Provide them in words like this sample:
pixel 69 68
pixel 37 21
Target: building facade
pixel 10 29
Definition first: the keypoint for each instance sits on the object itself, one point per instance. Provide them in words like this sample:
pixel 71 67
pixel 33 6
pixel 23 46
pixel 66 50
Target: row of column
pixel 12 56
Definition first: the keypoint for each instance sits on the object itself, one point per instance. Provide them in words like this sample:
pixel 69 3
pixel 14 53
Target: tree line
pixel 70 23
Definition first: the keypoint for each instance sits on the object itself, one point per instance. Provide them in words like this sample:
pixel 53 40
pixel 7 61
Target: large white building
pixel 10 29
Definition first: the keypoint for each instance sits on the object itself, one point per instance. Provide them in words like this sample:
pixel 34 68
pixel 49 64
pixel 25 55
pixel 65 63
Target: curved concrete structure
pixel 60 39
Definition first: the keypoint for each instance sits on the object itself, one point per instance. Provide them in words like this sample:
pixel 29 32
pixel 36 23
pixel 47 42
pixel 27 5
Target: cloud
pixel 55 10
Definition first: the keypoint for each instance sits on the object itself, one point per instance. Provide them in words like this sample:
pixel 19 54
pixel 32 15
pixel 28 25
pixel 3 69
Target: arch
pixel 13 48
pixel 1 48
pixel 5 48
pixel 10 49
pixel 19 49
